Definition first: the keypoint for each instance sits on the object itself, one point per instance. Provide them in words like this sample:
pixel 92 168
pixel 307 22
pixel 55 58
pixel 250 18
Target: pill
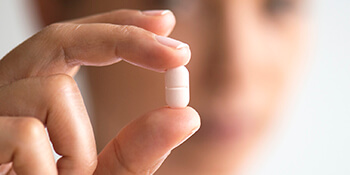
pixel 177 90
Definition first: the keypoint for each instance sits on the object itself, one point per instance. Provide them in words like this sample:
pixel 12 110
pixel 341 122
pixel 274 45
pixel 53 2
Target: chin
pixel 227 129
pixel 219 147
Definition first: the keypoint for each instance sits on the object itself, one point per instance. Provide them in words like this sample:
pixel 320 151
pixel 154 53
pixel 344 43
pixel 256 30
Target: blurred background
pixel 313 137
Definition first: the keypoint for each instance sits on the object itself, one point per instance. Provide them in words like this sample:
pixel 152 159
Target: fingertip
pixel 184 53
pixel 168 23
pixel 188 55
pixel 195 115
pixel 173 53
pixel 178 122
pixel 160 22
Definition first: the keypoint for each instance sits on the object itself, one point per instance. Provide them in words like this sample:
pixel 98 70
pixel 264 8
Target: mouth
pixel 228 129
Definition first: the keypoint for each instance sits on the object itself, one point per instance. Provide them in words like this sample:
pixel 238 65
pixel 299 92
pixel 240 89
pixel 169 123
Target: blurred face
pixel 243 52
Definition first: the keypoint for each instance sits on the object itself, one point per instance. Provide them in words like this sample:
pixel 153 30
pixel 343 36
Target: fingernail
pixel 171 42
pixel 155 12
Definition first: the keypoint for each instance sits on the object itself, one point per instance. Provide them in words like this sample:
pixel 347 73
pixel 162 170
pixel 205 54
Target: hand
pixel 37 91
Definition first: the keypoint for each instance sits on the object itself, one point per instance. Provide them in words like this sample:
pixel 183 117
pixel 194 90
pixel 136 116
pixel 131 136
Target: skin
pixel 243 55
pixel 37 90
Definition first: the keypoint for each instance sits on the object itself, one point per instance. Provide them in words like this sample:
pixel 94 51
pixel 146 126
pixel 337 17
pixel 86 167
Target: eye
pixel 279 7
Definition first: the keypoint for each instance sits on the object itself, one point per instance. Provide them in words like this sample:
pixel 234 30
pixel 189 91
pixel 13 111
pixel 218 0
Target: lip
pixel 230 129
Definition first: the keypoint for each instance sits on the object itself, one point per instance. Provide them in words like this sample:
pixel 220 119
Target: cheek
pixel 258 63
pixel 271 59
pixel 268 66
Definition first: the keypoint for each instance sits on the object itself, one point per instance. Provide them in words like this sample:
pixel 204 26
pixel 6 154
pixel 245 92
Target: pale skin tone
pixel 242 56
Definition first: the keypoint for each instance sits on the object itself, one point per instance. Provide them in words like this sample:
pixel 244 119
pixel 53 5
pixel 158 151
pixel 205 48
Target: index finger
pixel 61 48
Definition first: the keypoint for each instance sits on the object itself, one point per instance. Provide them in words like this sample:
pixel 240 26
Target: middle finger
pixel 160 22
pixel 61 48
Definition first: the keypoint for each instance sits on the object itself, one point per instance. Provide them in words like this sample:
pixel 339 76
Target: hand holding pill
pixel 39 74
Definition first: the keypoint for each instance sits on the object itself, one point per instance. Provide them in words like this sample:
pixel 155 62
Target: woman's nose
pixel 229 45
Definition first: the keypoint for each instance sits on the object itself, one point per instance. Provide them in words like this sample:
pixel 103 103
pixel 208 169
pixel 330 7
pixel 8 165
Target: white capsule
pixel 177 87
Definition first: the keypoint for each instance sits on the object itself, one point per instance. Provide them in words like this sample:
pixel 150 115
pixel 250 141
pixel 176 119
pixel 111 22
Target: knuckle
pixel 52 38
pixel 52 28
pixel 118 153
pixel 61 83
pixel 29 129
pixel 61 87
pixel 91 163
pixel 127 29
pixel 55 31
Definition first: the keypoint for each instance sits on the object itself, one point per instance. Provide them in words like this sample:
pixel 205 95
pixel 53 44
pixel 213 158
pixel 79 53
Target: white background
pixel 314 138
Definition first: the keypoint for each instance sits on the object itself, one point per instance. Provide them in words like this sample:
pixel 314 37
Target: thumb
pixel 142 146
